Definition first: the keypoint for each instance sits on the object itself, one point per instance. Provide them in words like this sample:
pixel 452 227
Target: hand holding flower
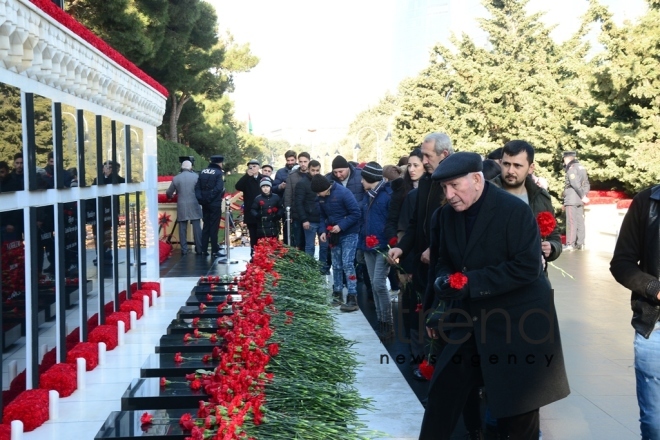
pixel 450 287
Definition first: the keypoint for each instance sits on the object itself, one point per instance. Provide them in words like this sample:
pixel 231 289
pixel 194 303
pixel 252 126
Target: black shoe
pixel 184 253
pixel 337 299
pixel 351 304
pixel 203 254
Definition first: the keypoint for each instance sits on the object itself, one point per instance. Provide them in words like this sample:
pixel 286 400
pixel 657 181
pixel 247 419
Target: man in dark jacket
pixel 636 266
pixel 279 183
pixel 347 175
pixel 308 213
pixel 435 148
pixel 576 187
pixel 500 325
pixel 517 168
pixel 249 185
pixel 297 232
pixel 209 190
pixel 340 215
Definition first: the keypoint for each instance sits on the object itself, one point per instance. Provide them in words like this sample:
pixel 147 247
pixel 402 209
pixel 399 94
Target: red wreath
pixel 546 222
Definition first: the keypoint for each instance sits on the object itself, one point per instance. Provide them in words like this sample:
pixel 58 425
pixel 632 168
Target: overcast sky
pixel 321 63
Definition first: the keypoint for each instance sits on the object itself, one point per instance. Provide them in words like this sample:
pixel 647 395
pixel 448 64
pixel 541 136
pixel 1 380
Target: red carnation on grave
pixel 372 241
pixel 62 378
pixel 195 385
pixel 546 222
pixel 146 418
pixel 426 369
pixel 178 358
pixel 457 280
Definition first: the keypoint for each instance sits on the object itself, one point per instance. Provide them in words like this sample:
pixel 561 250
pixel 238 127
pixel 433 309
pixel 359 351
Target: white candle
pixel 13 370
pixel 145 305
pixel 154 295
pixel 82 369
pixel 53 405
pixel 102 350
pixel 121 329
pixel 133 318
pixel 16 430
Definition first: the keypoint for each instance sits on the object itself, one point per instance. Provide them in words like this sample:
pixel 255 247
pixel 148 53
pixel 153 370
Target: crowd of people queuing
pixel 415 226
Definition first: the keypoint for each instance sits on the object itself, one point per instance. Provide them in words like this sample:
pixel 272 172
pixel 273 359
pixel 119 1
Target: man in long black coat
pixel 500 327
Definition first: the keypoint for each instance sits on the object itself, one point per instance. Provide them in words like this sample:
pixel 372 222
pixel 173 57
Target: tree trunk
pixel 174 119
pixel 175 112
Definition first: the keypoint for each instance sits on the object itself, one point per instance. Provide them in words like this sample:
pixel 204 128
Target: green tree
pixel 620 133
pixel 136 28
pixel 522 86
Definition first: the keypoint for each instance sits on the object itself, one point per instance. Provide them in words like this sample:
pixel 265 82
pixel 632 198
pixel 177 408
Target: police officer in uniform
pixel 209 190
pixel 576 187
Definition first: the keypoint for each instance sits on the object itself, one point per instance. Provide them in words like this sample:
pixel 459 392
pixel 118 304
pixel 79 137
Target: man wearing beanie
pixel 348 176
pixel 340 217
pixel 375 236
pixel 187 206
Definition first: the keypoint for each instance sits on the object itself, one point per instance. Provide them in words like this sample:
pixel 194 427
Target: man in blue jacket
pixel 374 239
pixel 209 190
pixel 340 216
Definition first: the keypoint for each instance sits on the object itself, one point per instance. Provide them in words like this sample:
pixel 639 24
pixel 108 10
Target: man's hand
pixel 335 229
pixel 546 247
pixel 426 256
pixel 322 237
pixel 446 292
pixel 305 225
pixel 393 255
pixel 432 332
pixel 282 185
pixel 585 200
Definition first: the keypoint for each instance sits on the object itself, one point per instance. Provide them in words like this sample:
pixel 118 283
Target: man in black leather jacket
pixel 636 265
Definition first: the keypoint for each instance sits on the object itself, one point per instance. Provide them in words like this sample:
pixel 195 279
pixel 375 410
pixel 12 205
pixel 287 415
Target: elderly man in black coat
pixel 499 322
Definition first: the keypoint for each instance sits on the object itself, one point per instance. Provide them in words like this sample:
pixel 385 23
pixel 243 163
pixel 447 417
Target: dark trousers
pixel 252 230
pixel 297 235
pixel 575 225
pixel 462 380
pixel 211 218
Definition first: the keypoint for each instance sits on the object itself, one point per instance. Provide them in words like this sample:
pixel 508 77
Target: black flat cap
pixel 569 153
pixel 458 165
pixel 217 158
pixel 184 158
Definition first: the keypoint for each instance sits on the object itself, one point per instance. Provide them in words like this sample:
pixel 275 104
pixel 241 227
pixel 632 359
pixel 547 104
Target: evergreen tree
pixel 620 132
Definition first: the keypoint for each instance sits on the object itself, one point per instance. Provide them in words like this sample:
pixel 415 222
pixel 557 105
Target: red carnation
pixel 457 280
pixel 546 222
pixel 393 241
pixel 163 382
pixel 273 349
pixel 178 358
pixel 195 385
pixel 195 321
pixel 352 277
pixel 419 308
pixel 261 203
pixel 206 358
pixel 186 421
pixel 426 369
pixel 269 211
pixel 146 418
pixel 372 241
pixel 274 209
pixel 329 228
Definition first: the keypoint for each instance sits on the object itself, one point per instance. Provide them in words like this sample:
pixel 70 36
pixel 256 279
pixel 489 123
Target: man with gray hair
pixel 187 206
pixel 435 148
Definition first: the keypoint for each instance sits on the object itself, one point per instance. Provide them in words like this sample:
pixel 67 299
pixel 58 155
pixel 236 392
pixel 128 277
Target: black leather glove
pixel 445 292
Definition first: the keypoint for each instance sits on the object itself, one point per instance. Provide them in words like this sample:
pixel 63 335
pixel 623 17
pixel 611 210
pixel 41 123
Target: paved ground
pixel 594 318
